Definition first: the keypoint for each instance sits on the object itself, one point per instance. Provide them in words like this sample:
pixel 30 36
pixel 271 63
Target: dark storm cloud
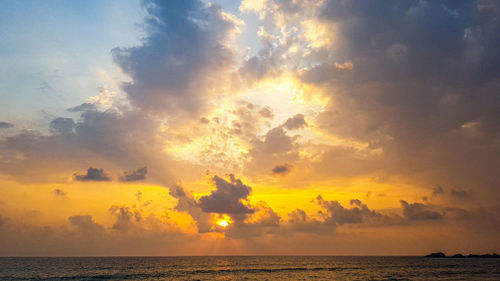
pixel 282 169
pixel 137 175
pixel 181 56
pixel 93 174
pixel 229 197
pixel 419 211
pixel 424 86
pixel 62 125
pixel 5 125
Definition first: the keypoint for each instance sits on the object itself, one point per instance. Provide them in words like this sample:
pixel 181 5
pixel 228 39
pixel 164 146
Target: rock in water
pixel 436 255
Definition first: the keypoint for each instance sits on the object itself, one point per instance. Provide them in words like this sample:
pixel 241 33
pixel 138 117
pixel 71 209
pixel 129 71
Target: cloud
pixel 421 105
pixel 124 218
pixel 459 193
pixel 169 71
pixel 93 174
pixel 117 137
pixel 296 122
pixel 276 146
pixel 282 169
pixel 63 126
pixel 334 213
pixel 264 221
pixel 85 223
pixel 419 211
pixel 437 190
pixel 414 104
pixel 266 112
pixel 137 175
pixel 5 125
pixel 83 107
pixel 228 198
pixel 299 221
pixel 281 50
pixel 186 203
pixel 138 196
pixel 344 66
pixel 59 192
pixel 276 141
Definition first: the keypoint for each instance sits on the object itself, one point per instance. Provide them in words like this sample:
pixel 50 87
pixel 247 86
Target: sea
pixel 249 268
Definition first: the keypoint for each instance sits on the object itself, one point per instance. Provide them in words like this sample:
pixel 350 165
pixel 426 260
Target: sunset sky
pixel 225 127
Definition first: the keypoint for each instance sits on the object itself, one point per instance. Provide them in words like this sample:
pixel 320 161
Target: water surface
pixel 249 268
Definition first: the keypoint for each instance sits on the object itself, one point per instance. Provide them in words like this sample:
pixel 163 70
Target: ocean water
pixel 249 268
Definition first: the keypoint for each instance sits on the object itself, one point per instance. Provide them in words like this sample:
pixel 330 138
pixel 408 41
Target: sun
pixel 223 223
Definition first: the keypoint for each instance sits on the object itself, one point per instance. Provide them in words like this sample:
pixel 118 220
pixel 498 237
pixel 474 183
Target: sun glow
pixel 223 223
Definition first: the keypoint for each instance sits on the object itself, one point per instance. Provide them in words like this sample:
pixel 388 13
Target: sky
pixel 252 127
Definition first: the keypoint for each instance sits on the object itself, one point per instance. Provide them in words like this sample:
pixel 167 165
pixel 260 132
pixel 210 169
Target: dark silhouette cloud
pixel 299 221
pixel 263 221
pixel 458 193
pixel 228 198
pixel 282 169
pixel 5 125
pixel 85 223
pixel 437 190
pixel 334 213
pixel 93 174
pixel 137 175
pixel 419 211
pixel 59 192
pixel 138 196
pixel 124 218
pixel 186 203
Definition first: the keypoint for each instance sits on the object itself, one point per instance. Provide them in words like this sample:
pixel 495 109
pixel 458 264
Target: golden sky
pixel 250 127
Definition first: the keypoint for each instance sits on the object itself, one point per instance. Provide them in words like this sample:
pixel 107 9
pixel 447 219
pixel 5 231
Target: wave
pixel 183 273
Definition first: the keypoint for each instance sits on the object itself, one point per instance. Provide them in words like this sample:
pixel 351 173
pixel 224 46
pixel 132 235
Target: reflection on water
pixel 249 268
